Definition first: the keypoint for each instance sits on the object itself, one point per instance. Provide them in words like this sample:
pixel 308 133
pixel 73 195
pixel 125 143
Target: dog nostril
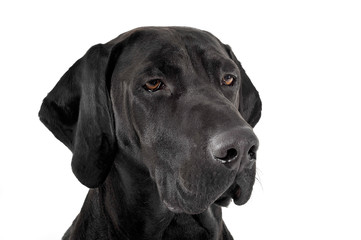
pixel 252 152
pixel 231 154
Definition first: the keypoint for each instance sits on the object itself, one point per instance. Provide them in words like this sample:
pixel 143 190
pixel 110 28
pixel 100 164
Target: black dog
pixel 159 121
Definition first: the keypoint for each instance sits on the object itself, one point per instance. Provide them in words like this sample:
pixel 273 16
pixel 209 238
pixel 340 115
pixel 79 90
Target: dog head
pixel 176 101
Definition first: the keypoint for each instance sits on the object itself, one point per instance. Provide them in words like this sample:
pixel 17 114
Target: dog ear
pixel 250 105
pixel 78 112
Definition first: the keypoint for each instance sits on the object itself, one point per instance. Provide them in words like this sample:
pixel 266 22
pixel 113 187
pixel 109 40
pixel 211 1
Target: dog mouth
pixel 179 202
pixel 238 197
pixel 235 193
pixel 240 191
pixel 186 196
pixel 186 200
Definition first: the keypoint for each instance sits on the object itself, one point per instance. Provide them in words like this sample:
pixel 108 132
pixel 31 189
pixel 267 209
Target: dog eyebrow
pixel 163 67
pixel 151 72
pixel 229 66
pixel 216 63
pixel 161 70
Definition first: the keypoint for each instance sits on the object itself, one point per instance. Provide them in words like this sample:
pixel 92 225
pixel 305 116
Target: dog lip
pixel 223 201
pixel 236 194
pixel 180 184
pixel 171 208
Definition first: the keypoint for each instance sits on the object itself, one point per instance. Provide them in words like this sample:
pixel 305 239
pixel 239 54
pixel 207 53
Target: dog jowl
pixel 160 123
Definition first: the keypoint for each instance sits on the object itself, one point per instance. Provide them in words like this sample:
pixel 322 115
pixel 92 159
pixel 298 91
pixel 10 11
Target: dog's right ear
pixel 78 112
pixel 250 104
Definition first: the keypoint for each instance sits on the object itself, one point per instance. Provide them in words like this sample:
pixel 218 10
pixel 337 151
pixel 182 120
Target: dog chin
pixel 181 201
pixel 223 201
pixel 187 210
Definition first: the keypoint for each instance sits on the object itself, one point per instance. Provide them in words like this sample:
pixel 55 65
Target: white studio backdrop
pixel 304 57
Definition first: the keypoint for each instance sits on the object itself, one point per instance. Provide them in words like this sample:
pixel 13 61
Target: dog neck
pixel 128 206
pixel 132 202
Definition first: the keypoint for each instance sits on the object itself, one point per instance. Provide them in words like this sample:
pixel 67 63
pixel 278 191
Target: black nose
pixel 235 148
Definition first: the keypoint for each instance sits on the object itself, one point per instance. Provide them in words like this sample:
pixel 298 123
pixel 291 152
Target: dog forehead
pixel 175 47
pixel 172 42
pixel 175 35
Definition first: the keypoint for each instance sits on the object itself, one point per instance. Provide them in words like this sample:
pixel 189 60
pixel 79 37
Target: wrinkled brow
pixel 168 60
pixel 220 64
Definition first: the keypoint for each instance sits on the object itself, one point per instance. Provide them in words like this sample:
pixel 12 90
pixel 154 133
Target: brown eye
pixel 154 85
pixel 228 80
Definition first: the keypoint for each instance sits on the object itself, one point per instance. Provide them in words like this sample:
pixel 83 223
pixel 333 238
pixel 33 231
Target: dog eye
pixel 228 80
pixel 154 85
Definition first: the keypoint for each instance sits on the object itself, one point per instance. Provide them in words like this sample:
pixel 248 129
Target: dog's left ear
pixel 78 112
pixel 250 105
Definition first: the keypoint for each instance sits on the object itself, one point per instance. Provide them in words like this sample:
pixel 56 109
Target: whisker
pixel 258 177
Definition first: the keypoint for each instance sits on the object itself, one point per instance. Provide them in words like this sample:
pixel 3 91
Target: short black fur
pixel 153 159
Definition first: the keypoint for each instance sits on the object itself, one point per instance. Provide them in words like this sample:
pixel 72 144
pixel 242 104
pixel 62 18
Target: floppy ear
pixel 78 112
pixel 250 105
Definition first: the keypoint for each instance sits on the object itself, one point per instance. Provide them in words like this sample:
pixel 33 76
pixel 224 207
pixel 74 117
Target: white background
pixel 304 57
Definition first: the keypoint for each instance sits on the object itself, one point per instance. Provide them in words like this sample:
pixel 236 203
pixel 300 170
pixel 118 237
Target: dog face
pixel 174 100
